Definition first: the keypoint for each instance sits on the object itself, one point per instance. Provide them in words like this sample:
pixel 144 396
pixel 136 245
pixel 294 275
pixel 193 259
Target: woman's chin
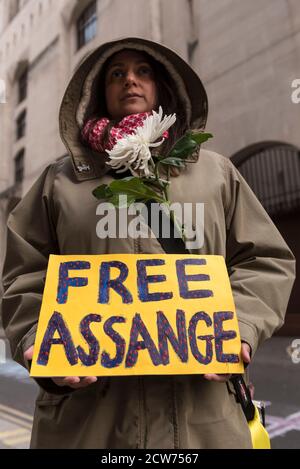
pixel 134 108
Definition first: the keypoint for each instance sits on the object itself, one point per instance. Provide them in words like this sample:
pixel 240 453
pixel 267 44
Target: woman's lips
pixel 131 97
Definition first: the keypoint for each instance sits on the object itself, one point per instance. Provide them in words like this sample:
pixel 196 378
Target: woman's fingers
pixel 246 352
pixel 29 353
pixel 219 378
pixel 72 381
pixel 85 382
pixel 75 382
pixel 68 381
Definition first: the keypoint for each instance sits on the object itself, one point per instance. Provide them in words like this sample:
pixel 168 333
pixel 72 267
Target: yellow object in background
pixel 259 435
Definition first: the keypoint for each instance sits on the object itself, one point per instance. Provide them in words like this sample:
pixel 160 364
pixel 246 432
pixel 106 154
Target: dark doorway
pixel 272 170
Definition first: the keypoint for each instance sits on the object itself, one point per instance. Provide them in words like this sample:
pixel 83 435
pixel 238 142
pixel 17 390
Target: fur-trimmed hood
pixel 79 98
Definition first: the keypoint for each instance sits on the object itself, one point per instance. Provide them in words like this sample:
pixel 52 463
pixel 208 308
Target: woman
pixel 121 79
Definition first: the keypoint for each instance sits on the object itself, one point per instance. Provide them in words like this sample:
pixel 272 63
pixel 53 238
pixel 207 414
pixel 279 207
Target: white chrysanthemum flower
pixel 133 151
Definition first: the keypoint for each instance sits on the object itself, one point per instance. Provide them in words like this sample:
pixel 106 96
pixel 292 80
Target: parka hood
pixel 81 94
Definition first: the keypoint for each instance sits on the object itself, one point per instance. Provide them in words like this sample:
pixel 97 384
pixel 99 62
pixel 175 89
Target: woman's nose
pixel 130 78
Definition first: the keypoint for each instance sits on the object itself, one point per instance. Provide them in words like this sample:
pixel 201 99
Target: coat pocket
pixel 45 398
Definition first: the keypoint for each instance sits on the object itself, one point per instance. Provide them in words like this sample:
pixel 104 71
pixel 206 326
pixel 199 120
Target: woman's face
pixel 129 85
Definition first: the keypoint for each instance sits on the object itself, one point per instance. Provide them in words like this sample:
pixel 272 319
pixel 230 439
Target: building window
pixel 86 25
pixel 19 166
pixel 21 125
pixel 22 86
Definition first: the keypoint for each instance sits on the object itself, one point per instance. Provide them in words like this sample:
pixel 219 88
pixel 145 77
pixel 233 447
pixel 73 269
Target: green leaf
pixel 117 202
pixel 187 144
pixel 133 187
pixel 160 184
pixel 184 147
pixel 200 137
pixel 183 153
pixel 173 162
pixel 102 192
pixel 158 157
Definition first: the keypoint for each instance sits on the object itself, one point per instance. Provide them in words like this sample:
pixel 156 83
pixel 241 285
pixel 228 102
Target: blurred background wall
pixel 247 54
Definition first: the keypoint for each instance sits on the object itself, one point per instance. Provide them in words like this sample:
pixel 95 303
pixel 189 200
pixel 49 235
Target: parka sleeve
pixel 31 238
pixel 261 267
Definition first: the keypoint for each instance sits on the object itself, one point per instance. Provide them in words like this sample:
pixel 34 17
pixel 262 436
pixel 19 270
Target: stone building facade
pixel 247 54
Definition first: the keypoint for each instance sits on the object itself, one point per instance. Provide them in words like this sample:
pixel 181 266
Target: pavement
pixel 274 373
pixel 17 397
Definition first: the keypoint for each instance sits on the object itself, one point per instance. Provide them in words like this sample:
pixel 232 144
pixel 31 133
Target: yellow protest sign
pixel 136 314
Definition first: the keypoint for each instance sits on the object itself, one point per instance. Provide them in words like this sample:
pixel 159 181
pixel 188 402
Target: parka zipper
pixel 142 397
pixel 142 412
pixel 142 424
pixel 174 413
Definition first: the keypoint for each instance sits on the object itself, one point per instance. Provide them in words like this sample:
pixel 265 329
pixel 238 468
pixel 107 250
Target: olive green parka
pixel 58 215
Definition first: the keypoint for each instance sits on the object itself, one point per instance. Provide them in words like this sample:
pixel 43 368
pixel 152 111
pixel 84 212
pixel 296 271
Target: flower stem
pixel 156 171
pixel 165 193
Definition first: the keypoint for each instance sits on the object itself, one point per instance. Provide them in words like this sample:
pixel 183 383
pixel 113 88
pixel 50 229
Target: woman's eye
pixel 117 73
pixel 145 70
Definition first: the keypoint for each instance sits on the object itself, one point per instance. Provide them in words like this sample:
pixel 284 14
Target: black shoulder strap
pixel 243 396
pixel 173 245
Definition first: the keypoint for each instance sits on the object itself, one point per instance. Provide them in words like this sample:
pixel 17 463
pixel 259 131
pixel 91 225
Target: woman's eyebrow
pixel 120 64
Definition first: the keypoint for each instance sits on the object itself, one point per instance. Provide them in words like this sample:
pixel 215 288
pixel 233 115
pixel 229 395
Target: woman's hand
pixel 73 382
pixel 76 382
pixel 221 378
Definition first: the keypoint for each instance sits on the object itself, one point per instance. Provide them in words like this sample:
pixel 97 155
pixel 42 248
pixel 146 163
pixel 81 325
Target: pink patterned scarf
pixel 93 130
